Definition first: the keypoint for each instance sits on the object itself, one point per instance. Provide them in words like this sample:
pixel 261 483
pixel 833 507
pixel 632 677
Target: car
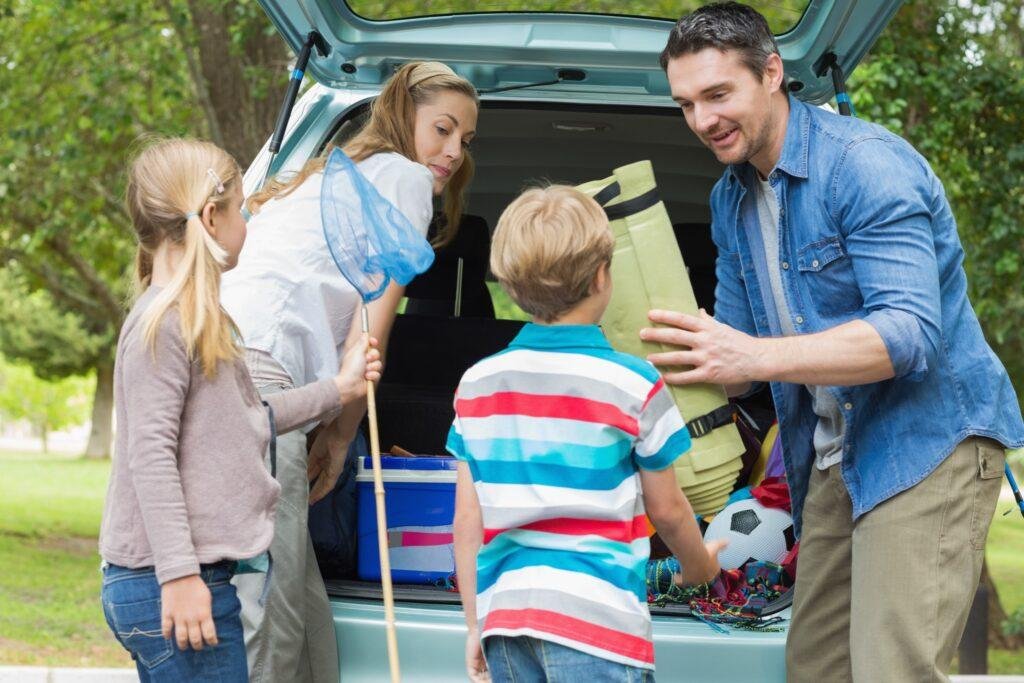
pixel 567 94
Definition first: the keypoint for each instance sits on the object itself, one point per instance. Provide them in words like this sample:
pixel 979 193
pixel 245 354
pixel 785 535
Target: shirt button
pixel 848 405
pixel 785 265
pixel 814 263
pixel 799 320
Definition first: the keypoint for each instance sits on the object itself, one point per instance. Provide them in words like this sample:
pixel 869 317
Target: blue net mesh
pixel 371 241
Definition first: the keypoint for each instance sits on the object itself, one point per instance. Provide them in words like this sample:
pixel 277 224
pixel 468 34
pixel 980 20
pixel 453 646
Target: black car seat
pixel 436 292
pixel 699 253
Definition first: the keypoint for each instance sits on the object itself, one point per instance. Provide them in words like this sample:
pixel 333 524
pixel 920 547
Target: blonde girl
pixel 189 495
pixel 295 311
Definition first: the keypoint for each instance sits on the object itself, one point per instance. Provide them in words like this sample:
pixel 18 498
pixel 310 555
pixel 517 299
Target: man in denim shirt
pixel 840 282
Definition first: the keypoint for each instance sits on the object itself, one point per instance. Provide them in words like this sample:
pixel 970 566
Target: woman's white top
pixel 286 294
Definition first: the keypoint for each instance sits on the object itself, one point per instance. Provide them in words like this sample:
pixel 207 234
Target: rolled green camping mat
pixel 648 272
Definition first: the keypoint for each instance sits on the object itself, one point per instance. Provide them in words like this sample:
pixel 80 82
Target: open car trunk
pixel 519 143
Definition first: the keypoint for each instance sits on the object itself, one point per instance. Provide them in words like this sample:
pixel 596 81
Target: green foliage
pixel 1013 625
pixel 946 75
pixel 80 82
pixel 504 307
pixel 49 590
pixel 46 405
pixel 35 327
pixel 781 15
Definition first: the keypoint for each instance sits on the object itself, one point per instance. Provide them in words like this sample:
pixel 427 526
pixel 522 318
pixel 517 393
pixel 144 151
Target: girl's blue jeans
pixel 131 605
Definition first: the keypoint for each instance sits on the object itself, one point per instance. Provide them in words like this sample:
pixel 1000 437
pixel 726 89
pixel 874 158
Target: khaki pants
pixel 291 637
pixel 886 599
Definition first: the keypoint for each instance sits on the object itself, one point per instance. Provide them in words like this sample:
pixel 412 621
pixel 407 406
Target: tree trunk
pixel 996 616
pixel 44 434
pixel 102 411
pixel 239 75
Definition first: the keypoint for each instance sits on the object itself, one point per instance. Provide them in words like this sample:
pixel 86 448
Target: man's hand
pixel 186 612
pixel 326 459
pixel 476 665
pixel 714 352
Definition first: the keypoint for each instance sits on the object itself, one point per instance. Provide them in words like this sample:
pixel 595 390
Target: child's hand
pixel 186 612
pixel 710 569
pixel 361 364
pixel 476 665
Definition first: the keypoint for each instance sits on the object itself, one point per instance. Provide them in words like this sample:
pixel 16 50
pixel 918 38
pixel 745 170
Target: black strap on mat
pixel 607 194
pixel 273 441
pixel 707 423
pixel 633 206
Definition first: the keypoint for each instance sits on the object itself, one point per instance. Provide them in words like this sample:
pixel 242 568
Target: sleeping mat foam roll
pixel 648 272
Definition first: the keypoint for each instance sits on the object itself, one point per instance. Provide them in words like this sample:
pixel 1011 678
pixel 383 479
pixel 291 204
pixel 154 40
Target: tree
pixel 46 405
pixel 79 84
pixel 946 75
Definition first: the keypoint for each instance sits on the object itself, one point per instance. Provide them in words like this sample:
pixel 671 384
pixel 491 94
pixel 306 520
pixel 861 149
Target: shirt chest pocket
pixel 827 271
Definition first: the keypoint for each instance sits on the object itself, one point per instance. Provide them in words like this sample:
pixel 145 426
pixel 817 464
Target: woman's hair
pixel 169 183
pixel 549 244
pixel 390 129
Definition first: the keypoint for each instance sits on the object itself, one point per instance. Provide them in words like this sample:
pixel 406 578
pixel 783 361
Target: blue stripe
pixel 675 446
pixel 297 75
pixel 616 553
pixel 549 452
pixel 456 446
pixel 545 474
pixel 620 577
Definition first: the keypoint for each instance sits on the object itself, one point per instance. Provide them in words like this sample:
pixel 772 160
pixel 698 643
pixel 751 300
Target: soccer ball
pixel 754 532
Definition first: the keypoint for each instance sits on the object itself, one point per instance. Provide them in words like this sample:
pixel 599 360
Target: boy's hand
pixel 361 364
pixel 476 665
pixel 710 569
pixel 186 612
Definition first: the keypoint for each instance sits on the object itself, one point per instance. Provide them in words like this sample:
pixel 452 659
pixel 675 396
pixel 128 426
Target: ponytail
pixel 169 182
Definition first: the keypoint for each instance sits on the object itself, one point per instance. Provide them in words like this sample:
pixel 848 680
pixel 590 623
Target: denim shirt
pixel 866 233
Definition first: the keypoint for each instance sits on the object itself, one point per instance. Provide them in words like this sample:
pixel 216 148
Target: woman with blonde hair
pixel 189 496
pixel 296 312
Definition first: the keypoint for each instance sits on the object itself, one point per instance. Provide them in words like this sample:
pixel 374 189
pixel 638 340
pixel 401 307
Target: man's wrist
pixel 769 358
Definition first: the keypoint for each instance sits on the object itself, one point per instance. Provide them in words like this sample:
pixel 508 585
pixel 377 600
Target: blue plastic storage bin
pixel 419 499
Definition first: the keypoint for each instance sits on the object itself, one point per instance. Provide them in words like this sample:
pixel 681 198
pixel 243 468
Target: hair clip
pixel 217 182
pixel 191 214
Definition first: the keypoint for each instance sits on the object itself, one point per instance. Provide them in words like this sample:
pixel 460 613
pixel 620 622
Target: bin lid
pixel 404 462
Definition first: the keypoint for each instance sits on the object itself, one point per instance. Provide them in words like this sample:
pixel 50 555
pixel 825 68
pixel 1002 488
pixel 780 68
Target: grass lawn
pixel 50 614
pixel 1005 553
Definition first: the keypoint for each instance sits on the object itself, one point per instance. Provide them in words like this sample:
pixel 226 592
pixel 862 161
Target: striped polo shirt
pixel 555 429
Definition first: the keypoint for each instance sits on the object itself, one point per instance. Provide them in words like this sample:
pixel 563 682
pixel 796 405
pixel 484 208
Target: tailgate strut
pixel 313 39
pixel 830 62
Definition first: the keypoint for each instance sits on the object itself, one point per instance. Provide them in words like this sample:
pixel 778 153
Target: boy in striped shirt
pixel 564 444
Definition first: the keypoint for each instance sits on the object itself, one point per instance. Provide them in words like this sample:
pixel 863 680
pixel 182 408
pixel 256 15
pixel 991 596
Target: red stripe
pixel 654 390
pixel 610 640
pixel 542 405
pixel 410 538
pixel 614 530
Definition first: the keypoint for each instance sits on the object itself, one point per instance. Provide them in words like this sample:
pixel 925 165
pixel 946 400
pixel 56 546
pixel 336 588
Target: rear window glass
pixel 782 15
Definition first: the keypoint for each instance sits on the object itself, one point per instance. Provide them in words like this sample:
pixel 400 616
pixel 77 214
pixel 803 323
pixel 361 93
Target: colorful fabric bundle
pixel 738 597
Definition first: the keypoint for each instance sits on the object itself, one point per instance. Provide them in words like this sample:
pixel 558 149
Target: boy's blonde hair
pixel 169 183
pixel 548 247
pixel 390 129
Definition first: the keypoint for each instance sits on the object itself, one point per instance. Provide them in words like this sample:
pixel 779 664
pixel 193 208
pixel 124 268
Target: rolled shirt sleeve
pixel 888 235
